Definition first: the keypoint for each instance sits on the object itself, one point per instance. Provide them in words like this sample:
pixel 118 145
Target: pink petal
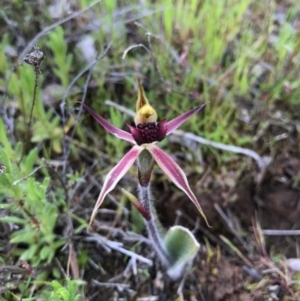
pixel 176 174
pixel 109 127
pixel 115 175
pixel 179 120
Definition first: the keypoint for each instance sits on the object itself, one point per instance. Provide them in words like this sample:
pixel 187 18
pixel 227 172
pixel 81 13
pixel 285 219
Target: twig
pixel 31 174
pixel 135 46
pixel 259 237
pixel 12 269
pixel 262 162
pixel 281 232
pixel 72 257
pixel 61 269
pixel 109 284
pixel 117 246
pixel 198 287
pixel 133 265
pixel 230 225
pixel 120 108
pixel 236 250
pixel 181 286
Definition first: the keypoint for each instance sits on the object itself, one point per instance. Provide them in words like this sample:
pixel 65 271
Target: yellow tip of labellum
pixel 144 112
pixel 145 115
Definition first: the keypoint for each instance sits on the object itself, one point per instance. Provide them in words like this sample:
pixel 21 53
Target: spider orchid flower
pixel 144 135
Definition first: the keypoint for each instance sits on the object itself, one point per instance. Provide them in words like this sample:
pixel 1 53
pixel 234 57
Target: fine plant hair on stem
pixel 153 231
pixel 145 164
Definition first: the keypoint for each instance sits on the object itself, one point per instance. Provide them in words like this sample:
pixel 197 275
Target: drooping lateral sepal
pixel 148 132
pixel 114 176
pixel 175 173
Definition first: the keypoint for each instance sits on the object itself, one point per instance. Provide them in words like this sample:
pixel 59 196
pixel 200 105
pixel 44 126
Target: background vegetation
pixel 240 57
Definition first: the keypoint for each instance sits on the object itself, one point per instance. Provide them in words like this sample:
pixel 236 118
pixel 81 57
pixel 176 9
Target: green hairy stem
pixel 145 166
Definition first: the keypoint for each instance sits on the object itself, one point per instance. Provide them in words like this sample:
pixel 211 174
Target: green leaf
pixel 46 252
pixel 4 159
pixel 30 160
pixel 25 235
pixel 182 247
pixel 4 140
pixel 110 5
pixel 168 18
pixel 56 272
pixel 6 206
pixel 137 220
pixel 64 294
pixel 6 186
pixel 56 285
pixel 13 219
pixel 29 254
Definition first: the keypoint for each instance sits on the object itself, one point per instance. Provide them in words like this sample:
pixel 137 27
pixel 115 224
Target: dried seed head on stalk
pixel 35 58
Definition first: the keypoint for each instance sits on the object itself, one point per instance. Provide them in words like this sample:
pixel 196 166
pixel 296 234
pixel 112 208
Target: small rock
pixel 87 48
pixel 293 264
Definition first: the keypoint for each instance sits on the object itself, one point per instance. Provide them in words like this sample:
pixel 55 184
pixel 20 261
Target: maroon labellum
pixel 149 132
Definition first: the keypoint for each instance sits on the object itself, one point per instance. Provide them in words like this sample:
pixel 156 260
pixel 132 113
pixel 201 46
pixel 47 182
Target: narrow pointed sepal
pixel 176 174
pixel 142 99
pixel 109 127
pixel 114 177
pixel 142 210
pixel 175 123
